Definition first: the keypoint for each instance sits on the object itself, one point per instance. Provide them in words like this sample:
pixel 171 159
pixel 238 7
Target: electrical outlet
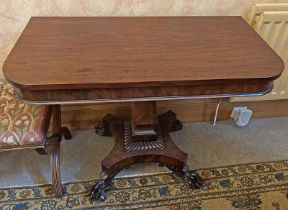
pixel 241 115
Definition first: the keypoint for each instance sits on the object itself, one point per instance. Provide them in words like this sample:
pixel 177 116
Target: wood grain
pixel 214 88
pixel 144 118
pixel 54 145
pixel 89 115
pixel 76 58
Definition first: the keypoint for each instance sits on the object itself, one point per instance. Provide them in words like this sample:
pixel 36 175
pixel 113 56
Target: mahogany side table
pixel 60 60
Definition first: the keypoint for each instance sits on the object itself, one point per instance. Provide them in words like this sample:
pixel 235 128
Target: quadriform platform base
pixel 129 149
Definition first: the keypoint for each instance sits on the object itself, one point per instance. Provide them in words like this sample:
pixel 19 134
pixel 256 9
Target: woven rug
pixel 247 186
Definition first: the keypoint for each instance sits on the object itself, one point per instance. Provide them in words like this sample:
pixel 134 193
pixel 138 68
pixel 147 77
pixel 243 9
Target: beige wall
pixel 14 14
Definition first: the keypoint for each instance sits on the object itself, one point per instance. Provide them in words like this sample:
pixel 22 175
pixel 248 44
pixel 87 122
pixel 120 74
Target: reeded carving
pixel 145 144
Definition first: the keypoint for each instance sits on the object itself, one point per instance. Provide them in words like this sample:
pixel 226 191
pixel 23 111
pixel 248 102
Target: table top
pixel 84 53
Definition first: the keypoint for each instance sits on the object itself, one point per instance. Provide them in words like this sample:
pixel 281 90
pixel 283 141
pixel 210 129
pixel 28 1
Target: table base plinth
pixel 170 155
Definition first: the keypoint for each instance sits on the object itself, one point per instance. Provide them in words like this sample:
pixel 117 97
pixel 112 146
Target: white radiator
pixel 270 21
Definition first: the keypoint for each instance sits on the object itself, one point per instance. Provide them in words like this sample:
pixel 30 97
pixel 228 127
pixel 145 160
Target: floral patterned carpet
pixel 246 186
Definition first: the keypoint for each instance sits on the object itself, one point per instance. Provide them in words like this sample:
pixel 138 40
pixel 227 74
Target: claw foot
pixel 191 178
pixel 99 188
pixel 66 133
pixel 177 125
pixel 103 129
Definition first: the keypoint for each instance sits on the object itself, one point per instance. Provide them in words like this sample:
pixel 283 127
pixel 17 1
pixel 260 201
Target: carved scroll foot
pixel 99 188
pixel 191 178
pixel 66 133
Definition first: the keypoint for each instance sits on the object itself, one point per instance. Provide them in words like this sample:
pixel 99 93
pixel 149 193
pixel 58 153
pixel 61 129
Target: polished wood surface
pixel 66 59
pixel 214 89
pixel 55 157
pixel 144 118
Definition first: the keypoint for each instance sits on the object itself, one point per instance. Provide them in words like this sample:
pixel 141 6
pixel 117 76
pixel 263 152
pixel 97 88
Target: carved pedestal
pixel 145 138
